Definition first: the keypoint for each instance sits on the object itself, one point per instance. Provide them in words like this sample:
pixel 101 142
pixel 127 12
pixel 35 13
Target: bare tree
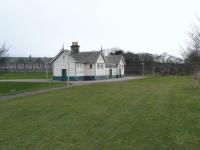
pixel 3 54
pixel 191 52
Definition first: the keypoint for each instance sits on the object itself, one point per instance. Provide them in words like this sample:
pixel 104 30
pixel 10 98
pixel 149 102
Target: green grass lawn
pixel 24 75
pixel 9 88
pixel 161 113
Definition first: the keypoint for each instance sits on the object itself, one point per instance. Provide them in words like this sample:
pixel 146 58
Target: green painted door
pixel 110 73
pixel 120 74
pixel 64 74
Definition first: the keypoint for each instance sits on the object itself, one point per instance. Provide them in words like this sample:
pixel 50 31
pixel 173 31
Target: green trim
pixel 114 76
pixel 100 77
pixel 79 78
pixel 110 73
pixel 85 78
pixel 60 78
pixel 89 77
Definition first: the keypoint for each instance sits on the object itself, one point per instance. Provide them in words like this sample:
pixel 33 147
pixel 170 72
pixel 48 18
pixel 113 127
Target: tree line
pixel 160 64
pixel 165 63
pixel 191 50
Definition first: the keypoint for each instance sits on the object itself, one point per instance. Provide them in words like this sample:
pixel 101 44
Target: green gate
pixel 64 74
pixel 120 73
pixel 110 73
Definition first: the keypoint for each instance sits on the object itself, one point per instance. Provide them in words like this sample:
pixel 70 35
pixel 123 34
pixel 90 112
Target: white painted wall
pixel 62 63
pixel 101 70
pixel 80 69
pixel 114 71
pixel 121 66
pixel 107 71
pixel 90 71
pixel 77 69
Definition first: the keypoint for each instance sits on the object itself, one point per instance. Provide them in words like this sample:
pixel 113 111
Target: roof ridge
pixel 114 56
pixel 90 52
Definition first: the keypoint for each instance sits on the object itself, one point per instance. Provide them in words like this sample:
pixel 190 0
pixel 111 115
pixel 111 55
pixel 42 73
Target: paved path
pixel 28 80
pixel 31 93
pixel 74 83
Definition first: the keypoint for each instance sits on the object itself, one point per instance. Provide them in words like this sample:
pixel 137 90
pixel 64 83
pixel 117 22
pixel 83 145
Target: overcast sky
pixel 40 27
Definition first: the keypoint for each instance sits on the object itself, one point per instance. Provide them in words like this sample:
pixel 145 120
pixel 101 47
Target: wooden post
pixel 153 71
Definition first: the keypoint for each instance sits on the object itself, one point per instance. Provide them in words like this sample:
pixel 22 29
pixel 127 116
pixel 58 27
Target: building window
pixel 102 66
pixel 90 66
pixel 98 66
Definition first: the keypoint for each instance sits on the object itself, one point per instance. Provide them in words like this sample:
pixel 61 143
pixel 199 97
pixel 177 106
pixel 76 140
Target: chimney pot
pixel 75 48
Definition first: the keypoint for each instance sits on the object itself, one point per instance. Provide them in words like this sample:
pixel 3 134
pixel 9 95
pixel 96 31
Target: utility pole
pixel 67 52
pixel 153 70
pixel 46 69
pixel 142 69
pixel 68 70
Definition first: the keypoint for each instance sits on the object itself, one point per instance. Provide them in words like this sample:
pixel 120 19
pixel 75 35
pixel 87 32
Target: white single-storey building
pixel 86 65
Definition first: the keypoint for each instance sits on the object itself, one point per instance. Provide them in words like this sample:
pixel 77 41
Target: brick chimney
pixel 75 48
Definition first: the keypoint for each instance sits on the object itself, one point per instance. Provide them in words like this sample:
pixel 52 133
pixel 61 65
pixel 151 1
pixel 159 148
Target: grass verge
pixel 147 114
pixel 10 88
pixel 24 75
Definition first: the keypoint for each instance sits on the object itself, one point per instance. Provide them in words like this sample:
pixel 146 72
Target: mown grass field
pixel 24 75
pixel 161 113
pixel 10 88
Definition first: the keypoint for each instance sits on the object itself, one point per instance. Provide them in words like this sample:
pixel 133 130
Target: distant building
pixel 38 64
pixel 91 65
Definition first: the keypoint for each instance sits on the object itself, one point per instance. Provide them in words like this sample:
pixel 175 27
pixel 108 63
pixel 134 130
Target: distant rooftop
pixel 15 60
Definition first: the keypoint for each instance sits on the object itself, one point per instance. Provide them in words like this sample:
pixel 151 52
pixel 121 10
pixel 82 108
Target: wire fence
pixel 26 68
pixel 162 69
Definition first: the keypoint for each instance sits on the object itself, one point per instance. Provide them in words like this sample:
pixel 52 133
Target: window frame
pixel 90 66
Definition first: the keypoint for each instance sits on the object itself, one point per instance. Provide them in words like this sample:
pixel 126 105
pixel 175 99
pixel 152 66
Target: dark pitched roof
pixel 91 57
pixel 113 59
pixel 61 51
pixel 83 57
pixel 86 57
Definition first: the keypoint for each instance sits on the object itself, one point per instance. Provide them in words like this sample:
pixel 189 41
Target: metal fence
pixel 161 68
pixel 26 68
